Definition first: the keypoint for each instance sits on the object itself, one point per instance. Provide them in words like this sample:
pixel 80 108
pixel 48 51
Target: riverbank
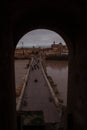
pixel 57 57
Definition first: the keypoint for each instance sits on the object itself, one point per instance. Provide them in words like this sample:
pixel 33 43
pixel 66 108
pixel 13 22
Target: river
pixel 20 71
pixel 58 70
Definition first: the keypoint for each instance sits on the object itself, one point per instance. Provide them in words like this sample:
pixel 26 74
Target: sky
pixel 40 38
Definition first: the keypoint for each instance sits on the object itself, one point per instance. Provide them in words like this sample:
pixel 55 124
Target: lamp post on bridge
pixel 22 47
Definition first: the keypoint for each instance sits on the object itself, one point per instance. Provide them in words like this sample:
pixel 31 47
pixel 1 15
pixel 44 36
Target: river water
pixel 20 71
pixel 58 70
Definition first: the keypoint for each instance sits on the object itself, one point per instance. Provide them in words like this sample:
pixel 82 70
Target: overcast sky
pixel 40 38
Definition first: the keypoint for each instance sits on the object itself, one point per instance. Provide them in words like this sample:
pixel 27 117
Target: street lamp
pixel 22 47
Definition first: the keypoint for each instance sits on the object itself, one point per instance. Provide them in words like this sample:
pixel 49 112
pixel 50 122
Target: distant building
pixel 60 48
pixel 55 49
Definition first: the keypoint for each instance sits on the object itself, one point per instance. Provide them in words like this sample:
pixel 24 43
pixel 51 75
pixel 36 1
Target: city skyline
pixel 40 38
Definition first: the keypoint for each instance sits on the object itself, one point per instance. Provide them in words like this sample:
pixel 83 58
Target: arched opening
pixel 69 17
pixel 53 47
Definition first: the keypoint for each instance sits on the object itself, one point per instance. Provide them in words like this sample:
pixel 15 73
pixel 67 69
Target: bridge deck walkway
pixel 37 97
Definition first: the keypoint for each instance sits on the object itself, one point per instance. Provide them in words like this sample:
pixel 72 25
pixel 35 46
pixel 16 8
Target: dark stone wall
pixel 7 82
pixel 77 91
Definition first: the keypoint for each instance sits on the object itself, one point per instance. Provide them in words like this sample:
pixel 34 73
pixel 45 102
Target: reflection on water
pixel 58 70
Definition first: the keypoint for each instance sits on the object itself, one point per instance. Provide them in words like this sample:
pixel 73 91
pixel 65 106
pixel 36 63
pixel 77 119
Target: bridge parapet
pixel 54 92
pixel 23 88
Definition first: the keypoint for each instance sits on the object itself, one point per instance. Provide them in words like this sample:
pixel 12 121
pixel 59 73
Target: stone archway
pixel 68 29
pixel 58 15
pixel 52 30
pixel 21 30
